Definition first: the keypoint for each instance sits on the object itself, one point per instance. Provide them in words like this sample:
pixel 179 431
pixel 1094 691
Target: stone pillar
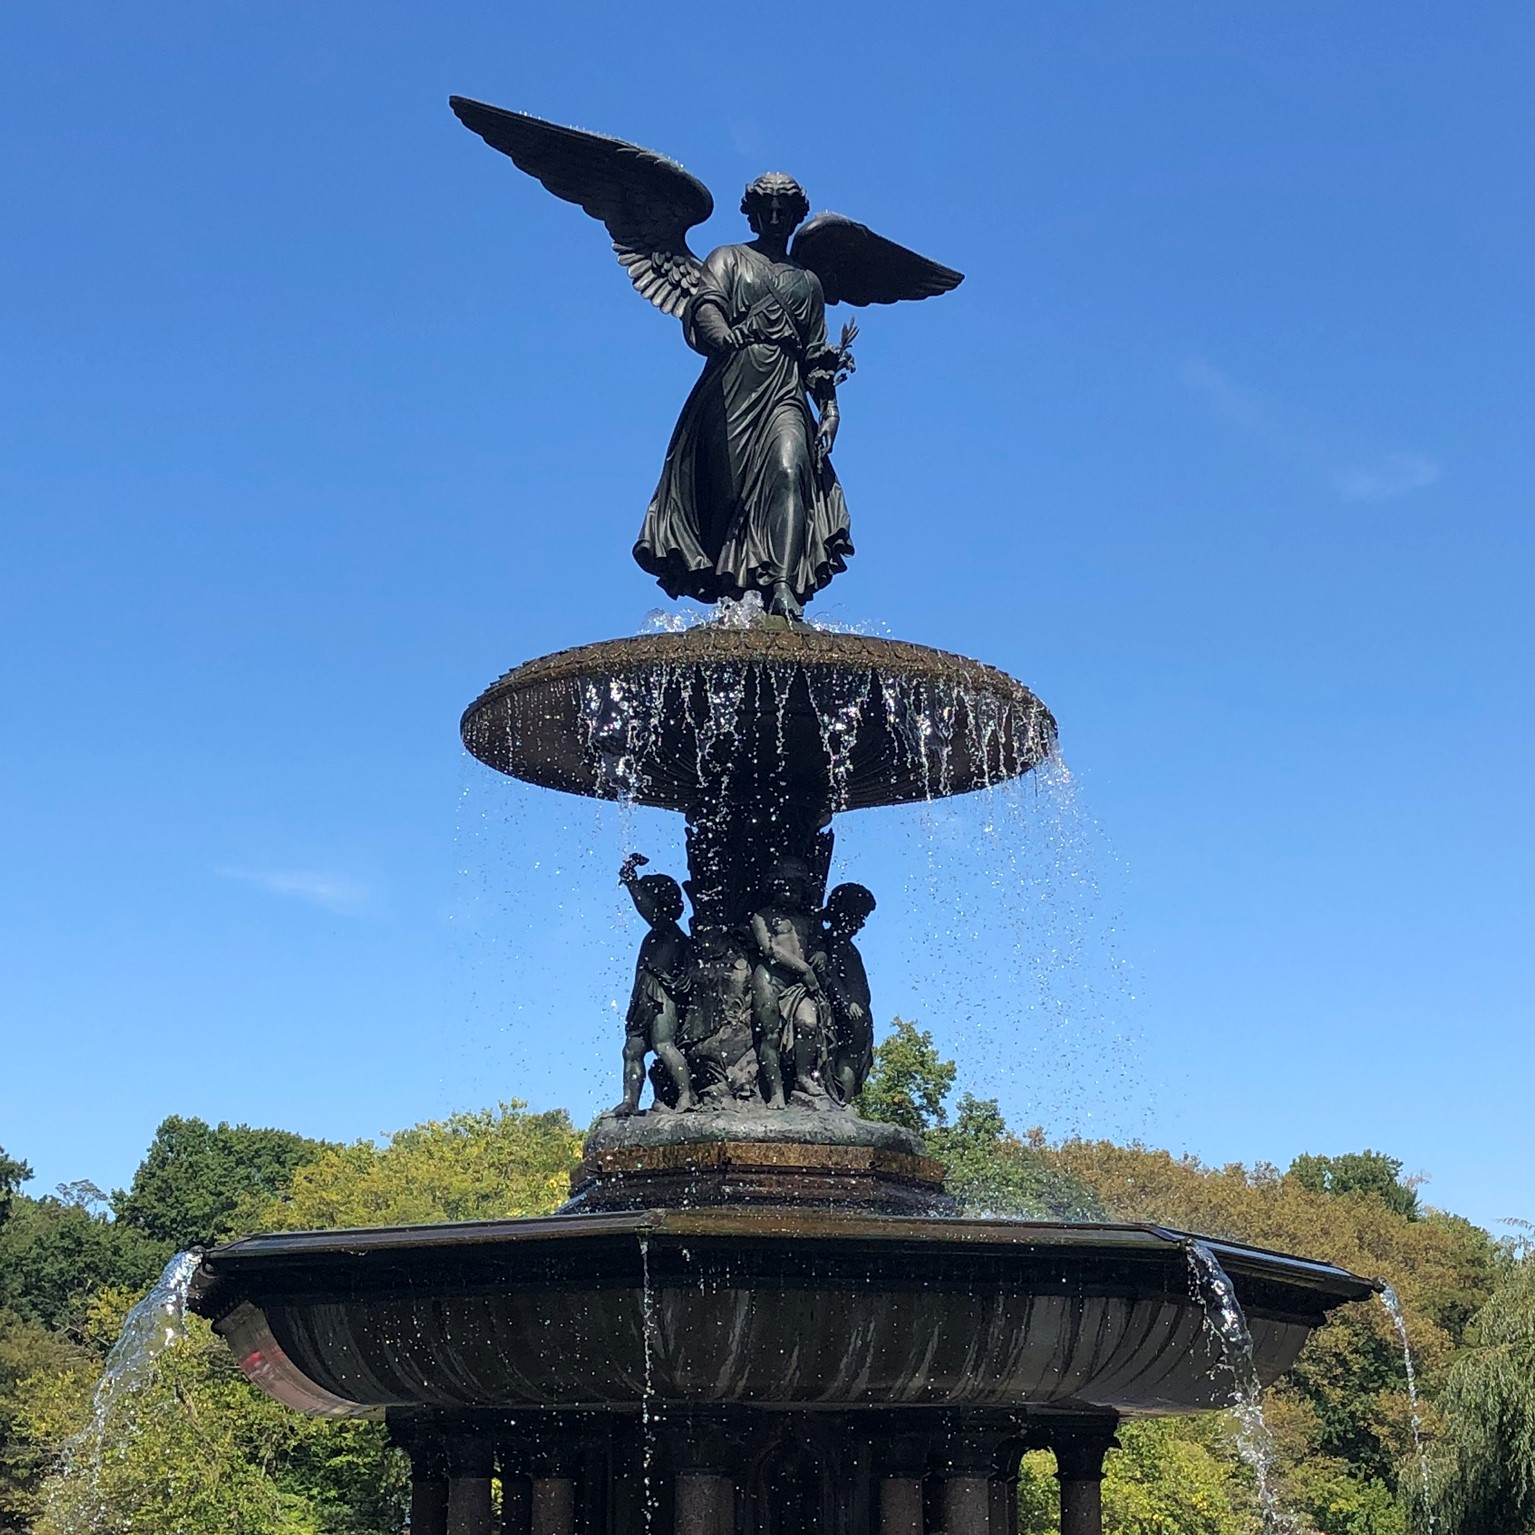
pixel 966 1505
pixel 469 1503
pixel 1079 1458
pixel 705 1503
pixel 967 1464
pixel 703 1453
pixel 900 1505
pixel 428 1488
pixel 900 1462
pixel 554 1506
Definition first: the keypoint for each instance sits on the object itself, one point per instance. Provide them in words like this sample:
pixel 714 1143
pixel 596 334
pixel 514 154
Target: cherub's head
pixel 775 204
pixel 848 908
pixel 664 896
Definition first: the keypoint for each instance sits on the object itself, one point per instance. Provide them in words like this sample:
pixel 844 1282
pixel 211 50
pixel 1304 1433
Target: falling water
pixel 1211 1286
pixel 647 1329
pixel 1393 1304
pixel 155 1324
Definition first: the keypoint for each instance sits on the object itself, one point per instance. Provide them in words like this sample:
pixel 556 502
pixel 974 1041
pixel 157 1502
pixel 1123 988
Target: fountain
pixel 758 1311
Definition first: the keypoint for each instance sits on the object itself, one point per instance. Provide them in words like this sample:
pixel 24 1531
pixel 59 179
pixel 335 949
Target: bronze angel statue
pixel 748 499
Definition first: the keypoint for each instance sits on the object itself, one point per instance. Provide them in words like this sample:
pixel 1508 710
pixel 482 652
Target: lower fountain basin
pixel 784 1309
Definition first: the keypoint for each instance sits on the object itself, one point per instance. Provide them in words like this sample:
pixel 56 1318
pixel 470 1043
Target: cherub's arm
pixel 643 903
pixel 776 953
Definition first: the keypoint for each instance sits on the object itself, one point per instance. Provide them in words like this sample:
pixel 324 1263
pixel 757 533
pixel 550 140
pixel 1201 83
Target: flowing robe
pixel 742 503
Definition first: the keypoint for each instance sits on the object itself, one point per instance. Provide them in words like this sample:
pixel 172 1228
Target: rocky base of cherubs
pixel 808 1154
pixel 806 1121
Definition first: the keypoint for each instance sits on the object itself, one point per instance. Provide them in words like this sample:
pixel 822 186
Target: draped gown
pixel 741 503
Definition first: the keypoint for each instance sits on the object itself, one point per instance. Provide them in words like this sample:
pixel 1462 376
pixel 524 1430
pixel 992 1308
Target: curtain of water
pixel 1211 1286
pixel 1393 1304
pixel 155 1324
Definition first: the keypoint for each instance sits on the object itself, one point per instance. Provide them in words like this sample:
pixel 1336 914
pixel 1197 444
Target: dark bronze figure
pixel 789 1009
pixel 846 984
pixel 661 978
pixel 748 499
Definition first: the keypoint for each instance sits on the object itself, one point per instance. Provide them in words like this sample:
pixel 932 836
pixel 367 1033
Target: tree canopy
pixel 196 1178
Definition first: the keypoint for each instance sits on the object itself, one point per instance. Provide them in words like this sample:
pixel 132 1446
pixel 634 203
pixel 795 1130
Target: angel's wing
pixel 857 266
pixel 647 202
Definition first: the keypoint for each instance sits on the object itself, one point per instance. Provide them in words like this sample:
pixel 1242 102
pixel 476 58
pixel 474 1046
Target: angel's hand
pixel 825 436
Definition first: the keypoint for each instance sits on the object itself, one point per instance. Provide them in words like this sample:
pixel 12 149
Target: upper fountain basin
pixel 678 720
pixel 764 1307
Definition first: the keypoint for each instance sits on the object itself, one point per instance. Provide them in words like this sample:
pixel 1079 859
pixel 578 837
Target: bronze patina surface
pixel 690 710
pixel 765 1307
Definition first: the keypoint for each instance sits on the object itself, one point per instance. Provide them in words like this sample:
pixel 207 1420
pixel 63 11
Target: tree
pixel 196 1180
pixel 1370 1173
pixel 12 1175
pixel 495 1163
pixel 1484 1464
pixel 909 1082
pixel 54 1255
pixel 199 1451
pixel 990 1171
pixel 28 1352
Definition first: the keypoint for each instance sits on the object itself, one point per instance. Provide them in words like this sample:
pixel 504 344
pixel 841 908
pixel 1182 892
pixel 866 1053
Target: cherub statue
pixel 846 984
pixel 789 1010
pixel 748 500
pixel 661 977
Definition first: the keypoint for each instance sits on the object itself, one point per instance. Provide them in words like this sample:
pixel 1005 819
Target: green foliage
pixel 909 1082
pixel 12 1175
pixel 992 1172
pixel 28 1351
pixel 195 1179
pixel 1484 1464
pixel 1369 1173
pixel 199 1451
pixel 54 1255
pixel 496 1163
pixel 1340 1418
pixel 1175 1476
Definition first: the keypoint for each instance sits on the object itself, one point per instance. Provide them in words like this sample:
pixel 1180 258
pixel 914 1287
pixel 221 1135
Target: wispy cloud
pixel 1378 479
pixel 1228 397
pixel 1393 475
pixel 332 892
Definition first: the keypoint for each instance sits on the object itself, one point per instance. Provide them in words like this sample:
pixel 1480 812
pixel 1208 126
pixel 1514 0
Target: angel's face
pixel 772 215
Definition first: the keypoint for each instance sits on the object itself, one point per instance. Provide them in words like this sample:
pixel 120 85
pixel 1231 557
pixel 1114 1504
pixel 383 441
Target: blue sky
pixel 1223 447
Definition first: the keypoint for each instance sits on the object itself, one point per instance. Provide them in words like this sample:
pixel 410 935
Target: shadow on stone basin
pixel 786 1309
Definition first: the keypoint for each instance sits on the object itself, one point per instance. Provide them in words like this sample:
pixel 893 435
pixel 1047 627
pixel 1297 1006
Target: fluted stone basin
pixel 760 1308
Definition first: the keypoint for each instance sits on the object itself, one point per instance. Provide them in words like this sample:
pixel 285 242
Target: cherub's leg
pixel 663 1037
pixel 634 1075
pixel 765 1021
pixel 807 1052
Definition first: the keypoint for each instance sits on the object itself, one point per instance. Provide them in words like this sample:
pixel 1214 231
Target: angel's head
pixel 775 204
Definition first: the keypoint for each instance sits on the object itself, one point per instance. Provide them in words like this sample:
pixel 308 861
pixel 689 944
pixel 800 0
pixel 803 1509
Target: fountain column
pixel 704 1491
pixel 901 1464
pixel 553 1500
pixel 1079 1456
pixel 968 1470
pixel 428 1489
pixel 470 1464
